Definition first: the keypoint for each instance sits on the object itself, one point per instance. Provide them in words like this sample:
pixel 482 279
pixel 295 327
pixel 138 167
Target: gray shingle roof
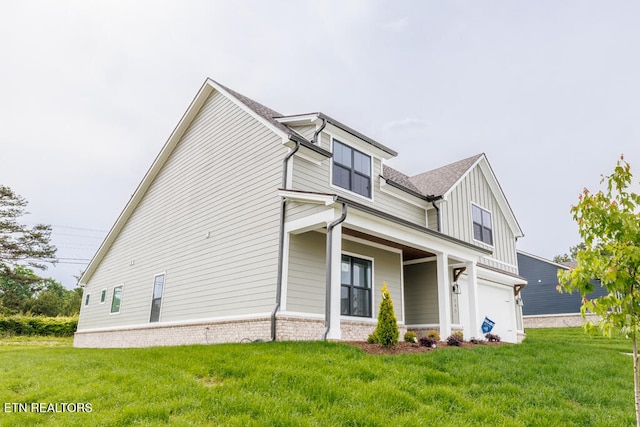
pixel 438 181
pixel 398 177
pixel 263 111
pixel 435 182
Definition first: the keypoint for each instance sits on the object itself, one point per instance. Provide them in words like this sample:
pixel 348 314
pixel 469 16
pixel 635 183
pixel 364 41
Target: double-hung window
pixel 355 295
pixel 482 229
pixel 351 169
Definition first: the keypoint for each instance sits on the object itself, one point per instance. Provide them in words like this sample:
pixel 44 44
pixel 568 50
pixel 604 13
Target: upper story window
pixel 351 169
pixel 482 228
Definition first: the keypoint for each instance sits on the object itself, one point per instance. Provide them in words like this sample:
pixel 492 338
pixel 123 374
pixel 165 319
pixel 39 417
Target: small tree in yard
pixel 609 225
pixel 386 332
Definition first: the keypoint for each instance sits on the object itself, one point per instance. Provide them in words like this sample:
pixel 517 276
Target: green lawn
pixel 556 377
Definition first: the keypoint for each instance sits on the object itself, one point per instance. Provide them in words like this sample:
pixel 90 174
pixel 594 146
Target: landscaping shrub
pixel 492 337
pixel 459 334
pixel 410 336
pixel 454 340
pixel 475 340
pixel 433 334
pixel 428 342
pixel 387 332
pixel 36 325
pixel 372 338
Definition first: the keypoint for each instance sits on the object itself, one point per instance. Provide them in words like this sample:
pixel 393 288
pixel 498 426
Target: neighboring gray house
pixel 543 305
pixel 253 225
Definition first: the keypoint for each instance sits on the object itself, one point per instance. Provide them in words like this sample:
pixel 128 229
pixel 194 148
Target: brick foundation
pixel 557 321
pixel 288 328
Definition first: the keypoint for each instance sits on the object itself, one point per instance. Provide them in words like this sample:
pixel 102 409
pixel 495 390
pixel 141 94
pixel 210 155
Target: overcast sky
pixel 91 90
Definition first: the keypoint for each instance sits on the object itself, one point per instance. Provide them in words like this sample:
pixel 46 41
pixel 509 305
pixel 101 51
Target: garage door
pixel 496 302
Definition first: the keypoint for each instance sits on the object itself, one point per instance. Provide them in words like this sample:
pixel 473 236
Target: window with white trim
pixel 482 228
pixel 116 300
pixel 103 296
pixel 86 299
pixel 355 278
pixel 351 169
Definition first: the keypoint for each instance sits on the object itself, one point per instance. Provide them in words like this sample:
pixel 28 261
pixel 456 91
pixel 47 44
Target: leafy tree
pixel 18 242
pixel 386 332
pixel 571 256
pixel 609 225
pixel 18 285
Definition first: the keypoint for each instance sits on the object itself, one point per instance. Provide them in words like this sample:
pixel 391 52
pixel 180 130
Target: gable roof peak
pixel 439 181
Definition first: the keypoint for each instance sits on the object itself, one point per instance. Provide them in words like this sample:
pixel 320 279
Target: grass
pixel 556 377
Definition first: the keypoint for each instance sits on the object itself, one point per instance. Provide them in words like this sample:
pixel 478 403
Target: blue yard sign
pixel 487 325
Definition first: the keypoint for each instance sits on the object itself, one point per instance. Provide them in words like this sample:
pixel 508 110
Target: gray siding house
pixel 254 225
pixel 543 305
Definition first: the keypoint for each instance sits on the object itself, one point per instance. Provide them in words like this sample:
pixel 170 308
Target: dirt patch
pixel 411 348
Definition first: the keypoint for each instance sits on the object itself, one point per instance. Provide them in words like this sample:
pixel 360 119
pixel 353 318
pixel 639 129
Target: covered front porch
pixel 339 253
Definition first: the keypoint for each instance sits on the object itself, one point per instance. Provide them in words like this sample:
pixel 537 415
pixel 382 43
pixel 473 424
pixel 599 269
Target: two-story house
pixel 252 225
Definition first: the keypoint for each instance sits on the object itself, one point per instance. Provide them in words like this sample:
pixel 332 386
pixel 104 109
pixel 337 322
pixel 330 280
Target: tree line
pixel 23 250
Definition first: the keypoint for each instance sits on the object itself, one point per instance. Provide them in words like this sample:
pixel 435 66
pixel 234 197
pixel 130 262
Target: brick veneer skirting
pixel 288 328
pixel 557 320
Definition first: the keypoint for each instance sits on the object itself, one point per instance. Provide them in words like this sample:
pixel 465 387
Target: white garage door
pixel 497 303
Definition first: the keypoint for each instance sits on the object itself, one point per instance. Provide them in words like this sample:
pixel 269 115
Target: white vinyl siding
pixel 457 220
pixel 212 207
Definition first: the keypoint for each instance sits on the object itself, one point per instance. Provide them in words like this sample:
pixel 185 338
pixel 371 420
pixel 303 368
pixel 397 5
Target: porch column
pixel 334 299
pixel 444 295
pixel 472 284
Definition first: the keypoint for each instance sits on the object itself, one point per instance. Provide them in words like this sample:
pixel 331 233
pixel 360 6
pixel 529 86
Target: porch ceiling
pixel 408 252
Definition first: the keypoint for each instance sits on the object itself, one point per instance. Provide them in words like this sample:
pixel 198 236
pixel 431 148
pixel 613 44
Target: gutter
pixel 285 170
pixel 327 310
pixel 437 208
pixel 283 203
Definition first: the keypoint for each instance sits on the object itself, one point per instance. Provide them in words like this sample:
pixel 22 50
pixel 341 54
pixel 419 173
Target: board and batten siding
pixel 306 279
pixel 421 293
pixel 209 221
pixel 457 220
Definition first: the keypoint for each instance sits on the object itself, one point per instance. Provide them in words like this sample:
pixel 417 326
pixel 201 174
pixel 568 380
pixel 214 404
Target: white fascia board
pixel 203 94
pixel 302 119
pixel 310 222
pixel 152 172
pixel 401 195
pixel 366 223
pixel 500 197
pixel 336 132
pixel 246 109
pixel 495 189
pixel 299 196
pixel 499 278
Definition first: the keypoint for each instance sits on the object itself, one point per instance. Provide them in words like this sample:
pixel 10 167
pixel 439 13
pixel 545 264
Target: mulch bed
pixel 411 348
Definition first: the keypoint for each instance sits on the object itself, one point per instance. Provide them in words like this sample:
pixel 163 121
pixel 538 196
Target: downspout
pixel 315 135
pixel 285 170
pixel 330 228
pixel 437 208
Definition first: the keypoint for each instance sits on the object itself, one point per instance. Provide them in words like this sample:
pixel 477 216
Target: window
pixel 156 301
pixel 117 299
pixel 351 169
pixel 103 296
pixel 482 230
pixel 356 287
pixel 86 299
